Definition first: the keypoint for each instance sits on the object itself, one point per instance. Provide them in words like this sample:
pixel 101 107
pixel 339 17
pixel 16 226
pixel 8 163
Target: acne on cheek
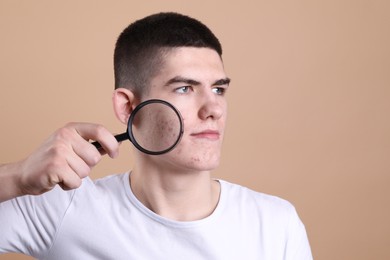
pixel 195 159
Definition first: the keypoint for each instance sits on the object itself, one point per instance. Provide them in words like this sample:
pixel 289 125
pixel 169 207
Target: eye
pixel 219 91
pixel 183 90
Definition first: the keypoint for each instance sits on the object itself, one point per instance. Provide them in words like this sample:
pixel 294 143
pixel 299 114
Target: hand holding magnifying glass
pixel 154 127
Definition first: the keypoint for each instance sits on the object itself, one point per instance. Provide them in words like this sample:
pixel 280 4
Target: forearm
pixel 9 181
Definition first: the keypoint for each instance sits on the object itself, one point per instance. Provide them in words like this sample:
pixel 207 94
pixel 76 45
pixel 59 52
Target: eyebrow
pixel 220 82
pixel 179 79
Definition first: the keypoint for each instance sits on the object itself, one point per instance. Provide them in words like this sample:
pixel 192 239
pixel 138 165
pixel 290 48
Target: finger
pixel 62 174
pixel 70 181
pixel 79 165
pixel 85 151
pixel 100 134
pixel 68 140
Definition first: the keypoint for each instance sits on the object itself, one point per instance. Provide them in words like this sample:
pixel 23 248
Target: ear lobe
pixel 123 101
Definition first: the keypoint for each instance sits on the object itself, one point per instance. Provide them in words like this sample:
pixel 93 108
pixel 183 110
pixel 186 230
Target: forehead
pixel 200 64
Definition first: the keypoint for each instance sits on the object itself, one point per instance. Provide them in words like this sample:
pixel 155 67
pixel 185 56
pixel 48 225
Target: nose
pixel 211 108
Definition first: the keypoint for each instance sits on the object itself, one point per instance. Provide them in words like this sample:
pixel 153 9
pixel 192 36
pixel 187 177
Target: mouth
pixel 207 134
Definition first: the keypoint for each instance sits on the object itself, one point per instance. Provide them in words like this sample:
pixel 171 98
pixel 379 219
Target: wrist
pixel 10 181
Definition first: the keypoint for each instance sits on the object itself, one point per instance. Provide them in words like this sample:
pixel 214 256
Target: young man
pixel 168 206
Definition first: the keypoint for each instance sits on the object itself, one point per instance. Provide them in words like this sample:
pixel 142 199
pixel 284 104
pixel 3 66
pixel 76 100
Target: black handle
pixel 119 138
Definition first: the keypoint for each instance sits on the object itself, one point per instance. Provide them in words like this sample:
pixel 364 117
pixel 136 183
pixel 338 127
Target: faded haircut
pixel 141 47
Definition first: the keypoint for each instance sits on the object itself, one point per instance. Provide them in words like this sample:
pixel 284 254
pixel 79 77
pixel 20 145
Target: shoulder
pixel 112 180
pixel 269 217
pixel 247 195
pixel 264 206
pixel 58 200
pixel 103 188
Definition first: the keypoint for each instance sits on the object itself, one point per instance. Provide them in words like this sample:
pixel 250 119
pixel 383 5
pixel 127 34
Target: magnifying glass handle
pixel 119 138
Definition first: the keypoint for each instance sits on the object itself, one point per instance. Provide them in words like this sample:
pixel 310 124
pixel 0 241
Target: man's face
pixel 194 81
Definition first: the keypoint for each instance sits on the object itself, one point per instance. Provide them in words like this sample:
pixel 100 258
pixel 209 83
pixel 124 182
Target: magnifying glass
pixel 155 127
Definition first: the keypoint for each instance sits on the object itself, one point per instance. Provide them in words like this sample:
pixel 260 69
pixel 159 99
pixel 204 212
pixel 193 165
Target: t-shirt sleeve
pixel 297 247
pixel 28 224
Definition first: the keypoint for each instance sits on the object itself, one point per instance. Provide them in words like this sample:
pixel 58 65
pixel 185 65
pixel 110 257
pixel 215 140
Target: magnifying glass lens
pixel 156 127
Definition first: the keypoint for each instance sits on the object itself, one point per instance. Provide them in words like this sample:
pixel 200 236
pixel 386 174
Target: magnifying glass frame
pixel 128 135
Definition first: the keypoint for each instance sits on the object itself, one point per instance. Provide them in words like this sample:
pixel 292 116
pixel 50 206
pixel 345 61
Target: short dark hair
pixel 141 46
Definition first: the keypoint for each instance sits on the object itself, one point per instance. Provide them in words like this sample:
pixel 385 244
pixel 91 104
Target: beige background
pixel 309 101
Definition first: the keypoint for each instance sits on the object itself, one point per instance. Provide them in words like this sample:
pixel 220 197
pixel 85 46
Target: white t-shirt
pixel 104 220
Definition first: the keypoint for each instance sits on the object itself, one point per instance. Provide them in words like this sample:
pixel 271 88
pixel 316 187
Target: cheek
pixel 185 120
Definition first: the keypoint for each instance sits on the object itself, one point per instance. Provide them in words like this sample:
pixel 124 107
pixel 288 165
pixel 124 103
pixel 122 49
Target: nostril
pixel 210 111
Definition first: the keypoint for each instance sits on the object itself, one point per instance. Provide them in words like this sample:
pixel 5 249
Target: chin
pixel 208 168
pixel 203 165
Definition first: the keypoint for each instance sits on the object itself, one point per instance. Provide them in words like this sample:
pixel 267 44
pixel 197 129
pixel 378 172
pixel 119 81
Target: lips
pixel 207 134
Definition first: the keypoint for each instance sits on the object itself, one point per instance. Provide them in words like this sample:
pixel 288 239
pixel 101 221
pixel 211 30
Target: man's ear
pixel 124 102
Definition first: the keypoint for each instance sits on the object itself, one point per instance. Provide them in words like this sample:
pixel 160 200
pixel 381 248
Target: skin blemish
pixel 195 159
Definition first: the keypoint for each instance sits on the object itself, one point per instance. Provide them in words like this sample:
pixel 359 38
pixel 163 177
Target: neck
pixel 177 195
